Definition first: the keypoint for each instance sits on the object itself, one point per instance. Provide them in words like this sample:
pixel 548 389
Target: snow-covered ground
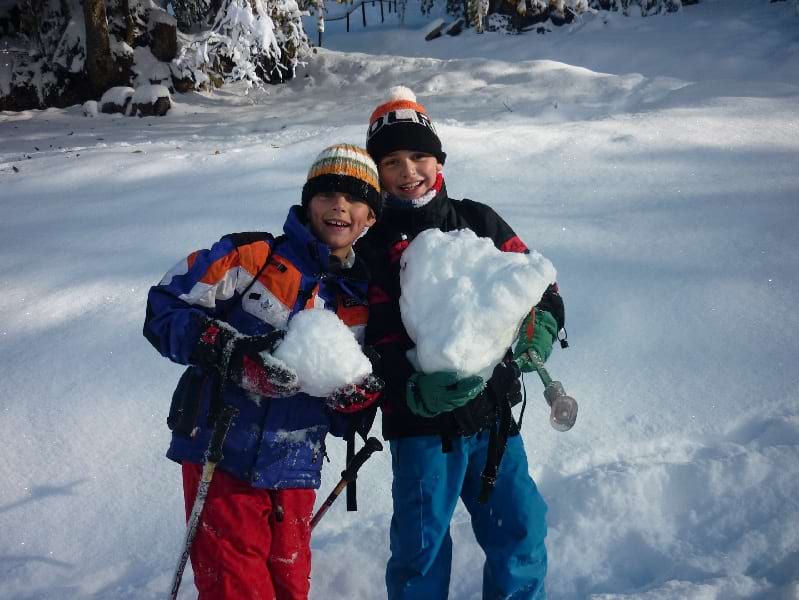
pixel 654 160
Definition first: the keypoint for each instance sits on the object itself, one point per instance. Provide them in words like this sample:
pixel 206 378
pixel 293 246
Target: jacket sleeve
pixel 204 283
pixel 485 222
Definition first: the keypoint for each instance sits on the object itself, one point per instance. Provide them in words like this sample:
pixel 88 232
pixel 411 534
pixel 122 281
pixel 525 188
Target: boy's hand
pixel 430 394
pixel 353 398
pixel 257 371
pixel 538 332
pixel 244 360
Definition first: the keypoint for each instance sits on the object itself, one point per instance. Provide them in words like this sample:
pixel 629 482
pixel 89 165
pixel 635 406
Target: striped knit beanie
pixel 401 123
pixel 347 169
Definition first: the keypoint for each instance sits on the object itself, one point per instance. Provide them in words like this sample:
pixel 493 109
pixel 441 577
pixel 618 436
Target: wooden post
pixel 348 22
pixel 363 13
pixel 382 17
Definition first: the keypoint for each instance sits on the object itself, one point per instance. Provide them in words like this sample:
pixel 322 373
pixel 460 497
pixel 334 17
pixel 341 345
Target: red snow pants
pixel 252 544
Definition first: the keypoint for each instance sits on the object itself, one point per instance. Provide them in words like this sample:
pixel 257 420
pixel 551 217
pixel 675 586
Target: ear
pixel 439 167
pixel 371 219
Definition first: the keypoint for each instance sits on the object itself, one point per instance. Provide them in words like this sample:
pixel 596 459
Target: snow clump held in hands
pixel 323 352
pixel 463 299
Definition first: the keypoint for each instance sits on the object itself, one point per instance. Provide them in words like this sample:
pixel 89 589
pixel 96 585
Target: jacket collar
pixel 313 255
pixel 413 221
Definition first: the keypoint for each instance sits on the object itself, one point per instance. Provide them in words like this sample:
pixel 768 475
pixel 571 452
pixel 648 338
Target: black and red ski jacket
pixel 382 248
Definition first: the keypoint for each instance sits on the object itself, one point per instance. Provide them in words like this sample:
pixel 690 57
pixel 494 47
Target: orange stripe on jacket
pixel 282 279
pixel 218 270
pixel 253 256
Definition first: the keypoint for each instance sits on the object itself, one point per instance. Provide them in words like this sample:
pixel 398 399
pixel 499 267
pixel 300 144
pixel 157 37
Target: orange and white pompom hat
pixel 401 123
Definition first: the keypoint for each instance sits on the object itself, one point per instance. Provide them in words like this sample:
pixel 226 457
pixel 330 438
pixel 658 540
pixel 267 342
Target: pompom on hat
pixel 401 123
pixel 347 169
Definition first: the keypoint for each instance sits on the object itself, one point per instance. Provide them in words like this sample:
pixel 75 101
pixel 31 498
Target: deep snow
pixel 652 160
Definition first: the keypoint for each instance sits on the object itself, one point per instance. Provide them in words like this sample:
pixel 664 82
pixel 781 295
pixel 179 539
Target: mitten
pixel 245 360
pixel 430 394
pixel 538 332
pixel 353 398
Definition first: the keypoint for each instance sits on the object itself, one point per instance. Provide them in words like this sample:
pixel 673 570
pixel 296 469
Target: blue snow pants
pixel 510 527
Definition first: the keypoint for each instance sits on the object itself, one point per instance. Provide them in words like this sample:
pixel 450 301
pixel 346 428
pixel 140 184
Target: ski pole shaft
pixel 213 455
pixel 348 475
pixel 563 408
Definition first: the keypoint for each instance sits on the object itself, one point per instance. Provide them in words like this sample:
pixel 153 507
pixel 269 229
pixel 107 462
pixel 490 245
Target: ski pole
pixel 563 407
pixel 348 475
pixel 213 455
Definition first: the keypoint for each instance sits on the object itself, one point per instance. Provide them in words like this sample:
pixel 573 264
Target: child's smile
pixel 408 174
pixel 336 223
pixel 338 219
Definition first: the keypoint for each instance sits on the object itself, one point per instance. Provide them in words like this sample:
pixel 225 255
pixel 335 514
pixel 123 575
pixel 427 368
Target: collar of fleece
pixel 401 203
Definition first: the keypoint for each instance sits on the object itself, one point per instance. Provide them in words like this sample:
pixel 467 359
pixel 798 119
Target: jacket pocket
pixel 185 406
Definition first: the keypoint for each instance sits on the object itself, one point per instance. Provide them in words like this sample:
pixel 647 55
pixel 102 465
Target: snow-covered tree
pixel 76 49
pixel 191 14
pixel 255 41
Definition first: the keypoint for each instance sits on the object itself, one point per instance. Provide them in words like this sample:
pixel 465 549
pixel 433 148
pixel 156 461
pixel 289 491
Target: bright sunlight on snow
pixel 652 160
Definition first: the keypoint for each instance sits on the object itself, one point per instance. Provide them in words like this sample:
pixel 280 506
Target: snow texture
pixel 149 93
pixel 653 160
pixel 463 300
pixel 117 95
pixel 323 351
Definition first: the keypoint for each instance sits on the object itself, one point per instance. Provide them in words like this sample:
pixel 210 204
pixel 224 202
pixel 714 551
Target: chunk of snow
pixel 150 93
pixel 118 95
pixel 323 351
pixel 463 300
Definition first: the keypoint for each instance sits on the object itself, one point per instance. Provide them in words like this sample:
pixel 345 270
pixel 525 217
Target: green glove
pixel 538 332
pixel 430 394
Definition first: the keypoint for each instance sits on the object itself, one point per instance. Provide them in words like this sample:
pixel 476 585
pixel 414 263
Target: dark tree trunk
pixel 124 8
pixel 99 63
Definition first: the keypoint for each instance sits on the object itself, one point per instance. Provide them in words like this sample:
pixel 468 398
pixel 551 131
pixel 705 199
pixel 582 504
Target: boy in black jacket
pixel 447 435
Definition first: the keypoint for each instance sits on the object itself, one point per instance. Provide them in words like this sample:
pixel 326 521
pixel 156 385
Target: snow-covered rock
pixel 116 99
pixel 151 100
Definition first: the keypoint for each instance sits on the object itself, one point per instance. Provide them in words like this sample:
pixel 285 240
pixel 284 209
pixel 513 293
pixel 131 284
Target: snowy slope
pixel 654 161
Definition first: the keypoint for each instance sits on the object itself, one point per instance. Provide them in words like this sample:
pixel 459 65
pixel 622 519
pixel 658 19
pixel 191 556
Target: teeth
pixel 411 186
pixel 337 223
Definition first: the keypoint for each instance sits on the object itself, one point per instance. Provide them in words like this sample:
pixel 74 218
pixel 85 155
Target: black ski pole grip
pixel 226 415
pixel 351 472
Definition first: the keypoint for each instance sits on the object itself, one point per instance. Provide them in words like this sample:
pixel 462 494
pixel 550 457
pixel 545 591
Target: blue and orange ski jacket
pixel 273 443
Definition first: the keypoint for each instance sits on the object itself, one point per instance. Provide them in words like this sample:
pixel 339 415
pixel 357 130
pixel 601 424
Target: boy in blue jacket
pixel 222 312
pixel 450 438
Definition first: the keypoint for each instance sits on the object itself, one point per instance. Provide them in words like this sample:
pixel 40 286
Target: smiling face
pixel 338 219
pixel 408 174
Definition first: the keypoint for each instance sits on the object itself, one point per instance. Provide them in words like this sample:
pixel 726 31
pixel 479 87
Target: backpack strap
pixel 239 239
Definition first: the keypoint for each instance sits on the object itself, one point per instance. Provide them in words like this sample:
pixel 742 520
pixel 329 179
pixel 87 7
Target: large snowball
pixel 323 351
pixel 463 300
